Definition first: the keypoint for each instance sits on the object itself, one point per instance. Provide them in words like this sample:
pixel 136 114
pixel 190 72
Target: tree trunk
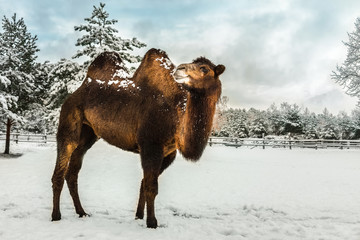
pixel 7 142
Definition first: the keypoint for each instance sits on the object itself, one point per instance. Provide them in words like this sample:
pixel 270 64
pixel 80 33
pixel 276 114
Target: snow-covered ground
pixel 229 194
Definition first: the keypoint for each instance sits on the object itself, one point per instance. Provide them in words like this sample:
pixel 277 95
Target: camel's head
pixel 200 75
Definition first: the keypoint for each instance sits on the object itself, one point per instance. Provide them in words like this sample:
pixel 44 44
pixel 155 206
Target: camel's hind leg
pixel 87 139
pixel 67 140
pixel 141 204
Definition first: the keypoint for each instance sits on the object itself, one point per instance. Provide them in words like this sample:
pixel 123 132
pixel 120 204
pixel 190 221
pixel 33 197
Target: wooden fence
pixel 285 143
pixel 35 138
pixel 232 142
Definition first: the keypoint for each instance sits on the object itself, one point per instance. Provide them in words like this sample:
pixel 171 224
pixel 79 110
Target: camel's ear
pixel 219 69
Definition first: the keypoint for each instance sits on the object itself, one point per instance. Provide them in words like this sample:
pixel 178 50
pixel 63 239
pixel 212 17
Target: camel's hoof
pixel 151 223
pixel 139 216
pixel 82 215
pixel 55 217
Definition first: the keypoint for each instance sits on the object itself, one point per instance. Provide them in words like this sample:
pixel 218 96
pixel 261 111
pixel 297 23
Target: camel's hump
pixel 156 60
pixel 104 60
pixel 106 66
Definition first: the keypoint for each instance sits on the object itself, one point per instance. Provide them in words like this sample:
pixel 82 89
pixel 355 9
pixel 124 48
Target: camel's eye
pixel 204 70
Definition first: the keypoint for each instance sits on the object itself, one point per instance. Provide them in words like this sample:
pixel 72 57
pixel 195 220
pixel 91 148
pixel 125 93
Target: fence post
pixel 263 136
pixel 289 140
pixel 340 142
pixel 17 137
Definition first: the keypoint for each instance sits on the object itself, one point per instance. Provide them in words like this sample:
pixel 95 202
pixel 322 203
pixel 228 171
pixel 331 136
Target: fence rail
pixel 285 143
pixel 35 138
pixel 232 142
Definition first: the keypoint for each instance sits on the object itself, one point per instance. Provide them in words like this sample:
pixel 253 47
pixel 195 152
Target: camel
pixel 158 111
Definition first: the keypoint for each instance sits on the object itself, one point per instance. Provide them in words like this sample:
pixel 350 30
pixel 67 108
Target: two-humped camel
pixel 155 113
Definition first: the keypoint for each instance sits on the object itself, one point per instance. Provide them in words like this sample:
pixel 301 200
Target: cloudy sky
pixel 274 51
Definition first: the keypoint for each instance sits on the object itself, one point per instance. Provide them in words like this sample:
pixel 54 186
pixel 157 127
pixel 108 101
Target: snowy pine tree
pixel 37 115
pixel 348 74
pixel 274 119
pixel 256 122
pixel 345 125
pixel 8 102
pixel 100 36
pixel 240 128
pixel 64 79
pixel 355 119
pixel 235 124
pixel 310 123
pixel 42 81
pixel 17 68
pixel 327 125
pixel 62 76
pixel 290 118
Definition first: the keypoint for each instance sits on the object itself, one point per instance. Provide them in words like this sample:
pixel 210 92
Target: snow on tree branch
pixel 347 75
pixel 100 36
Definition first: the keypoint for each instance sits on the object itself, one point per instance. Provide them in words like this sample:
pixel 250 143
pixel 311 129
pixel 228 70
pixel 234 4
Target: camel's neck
pixel 196 125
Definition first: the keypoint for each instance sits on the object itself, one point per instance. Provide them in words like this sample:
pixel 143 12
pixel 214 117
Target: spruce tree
pixel 235 125
pixel 291 119
pixel 42 81
pixel 100 36
pixel 274 119
pixel 345 125
pixel 310 123
pixel 327 125
pixel 256 122
pixel 17 65
pixel 355 118
pixel 36 116
pixel 64 79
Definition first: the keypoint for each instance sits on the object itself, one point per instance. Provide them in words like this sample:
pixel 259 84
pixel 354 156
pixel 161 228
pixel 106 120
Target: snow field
pixel 229 194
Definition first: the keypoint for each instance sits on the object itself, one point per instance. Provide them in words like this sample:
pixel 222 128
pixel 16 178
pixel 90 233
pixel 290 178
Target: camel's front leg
pixel 151 161
pixel 150 192
pixel 141 204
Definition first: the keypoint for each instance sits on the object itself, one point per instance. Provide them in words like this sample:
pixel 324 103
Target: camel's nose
pixel 181 67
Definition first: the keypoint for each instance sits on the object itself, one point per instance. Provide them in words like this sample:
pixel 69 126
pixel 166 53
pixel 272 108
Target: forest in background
pixel 285 120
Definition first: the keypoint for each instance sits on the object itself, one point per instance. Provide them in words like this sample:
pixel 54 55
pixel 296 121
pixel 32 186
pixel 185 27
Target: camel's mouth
pixel 181 77
pixel 182 80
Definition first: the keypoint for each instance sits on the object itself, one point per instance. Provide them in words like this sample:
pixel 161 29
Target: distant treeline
pixel 288 119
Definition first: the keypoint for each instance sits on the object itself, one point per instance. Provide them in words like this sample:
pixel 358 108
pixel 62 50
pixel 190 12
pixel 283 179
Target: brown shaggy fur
pixel 150 114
